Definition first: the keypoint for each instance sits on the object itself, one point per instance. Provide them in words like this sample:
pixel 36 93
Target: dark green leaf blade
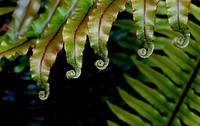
pixel 126 116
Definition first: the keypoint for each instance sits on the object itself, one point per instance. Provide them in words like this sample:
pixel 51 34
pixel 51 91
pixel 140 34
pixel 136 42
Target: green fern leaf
pixel 168 83
pixel 129 118
pixel 74 36
pixel 110 123
pixel 161 8
pixel 20 47
pixel 144 14
pixel 170 69
pixel 23 16
pixel 147 111
pixel 177 12
pixel 170 101
pixel 15 41
pixel 164 29
pixel 163 84
pixel 194 9
pixel 5 10
pixel 153 96
pixel 179 57
pixel 99 26
pixel 40 23
pixel 47 47
pixel 194 28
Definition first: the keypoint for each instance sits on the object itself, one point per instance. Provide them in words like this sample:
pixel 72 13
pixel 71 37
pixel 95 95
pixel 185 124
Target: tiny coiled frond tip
pixel 73 74
pixel 43 95
pixel 146 52
pixel 181 42
pixel 101 65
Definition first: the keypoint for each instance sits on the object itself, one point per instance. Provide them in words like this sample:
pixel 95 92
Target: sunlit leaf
pixel 99 25
pixel 177 12
pixel 144 14
pixel 23 16
pixel 47 47
pixel 74 35
pixel 40 23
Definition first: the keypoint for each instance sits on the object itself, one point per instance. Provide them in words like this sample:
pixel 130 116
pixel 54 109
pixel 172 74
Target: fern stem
pixel 188 86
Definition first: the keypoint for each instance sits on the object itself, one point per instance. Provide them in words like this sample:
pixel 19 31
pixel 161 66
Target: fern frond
pixel 23 16
pixel 110 123
pixel 194 28
pixel 164 29
pixel 20 47
pixel 168 83
pixel 74 35
pixel 177 12
pixel 47 47
pixel 144 14
pixel 170 92
pixel 99 26
pixel 194 9
pixel 40 23
pixel 126 116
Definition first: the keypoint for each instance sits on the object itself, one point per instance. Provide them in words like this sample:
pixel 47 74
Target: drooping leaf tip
pixel 101 65
pixel 73 74
pixel 181 42
pixel 43 95
pixel 146 52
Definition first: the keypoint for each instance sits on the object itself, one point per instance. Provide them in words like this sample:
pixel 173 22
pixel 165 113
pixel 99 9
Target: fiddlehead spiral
pixel 177 12
pixel 73 73
pixel 144 15
pixel 43 95
pixel 101 65
pixel 146 52
pixel 182 42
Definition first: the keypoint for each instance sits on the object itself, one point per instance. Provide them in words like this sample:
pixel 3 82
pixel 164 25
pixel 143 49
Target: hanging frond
pixel 177 12
pixel 144 15
pixel 74 36
pixel 99 26
pixel 20 47
pixel 40 23
pixel 14 41
pixel 68 24
pixel 47 47
pixel 23 16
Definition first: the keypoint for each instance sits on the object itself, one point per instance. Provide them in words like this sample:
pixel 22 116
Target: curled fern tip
pixel 146 52
pixel 101 65
pixel 181 42
pixel 43 95
pixel 73 74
